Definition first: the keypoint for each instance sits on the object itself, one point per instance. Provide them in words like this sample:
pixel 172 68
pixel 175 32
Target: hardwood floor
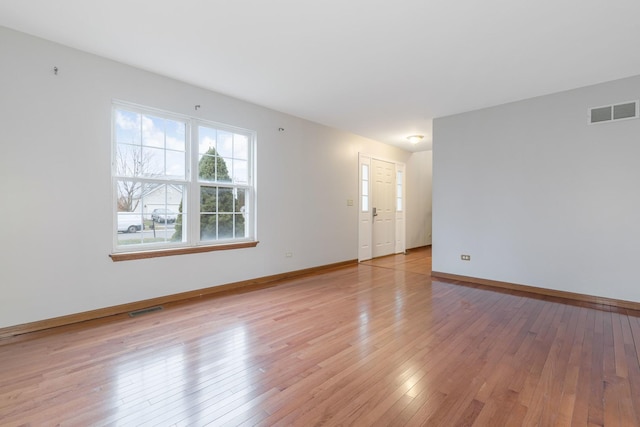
pixel 380 343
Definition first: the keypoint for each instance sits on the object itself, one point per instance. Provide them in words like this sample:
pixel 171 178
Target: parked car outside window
pixel 129 222
pixel 163 215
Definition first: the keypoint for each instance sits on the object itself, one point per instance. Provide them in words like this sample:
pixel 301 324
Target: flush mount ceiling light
pixel 414 139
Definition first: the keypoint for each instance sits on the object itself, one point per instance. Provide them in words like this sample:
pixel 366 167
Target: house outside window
pixel 180 181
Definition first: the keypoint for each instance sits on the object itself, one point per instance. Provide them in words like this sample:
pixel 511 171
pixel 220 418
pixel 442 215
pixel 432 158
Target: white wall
pixel 420 167
pixel 56 188
pixel 538 197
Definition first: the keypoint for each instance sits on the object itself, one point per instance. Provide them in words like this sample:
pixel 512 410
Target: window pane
pixel 161 233
pixel 130 228
pixel 399 191
pixel 216 199
pixel 152 162
pixel 176 135
pixel 127 127
pixel 225 144
pixel 240 226
pixel 163 203
pixel 212 168
pixel 239 201
pixel 180 226
pixel 152 131
pixel 220 201
pixel 223 156
pixel 163 141
pixel 208 227
pixel 225 170
pixel 225 200
pixel 207 168
pixel 150 210
pixel 127 160
pixel 208 199
pixel 175 164
pixel 130 195
pixel 206 139
pixel 134 161
pixel 240 172
pixel 139 204
pixel 225 226
pixel 365 188
pixel 241 147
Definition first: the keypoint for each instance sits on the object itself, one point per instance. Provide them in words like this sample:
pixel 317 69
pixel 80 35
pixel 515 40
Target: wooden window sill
pixel 127 256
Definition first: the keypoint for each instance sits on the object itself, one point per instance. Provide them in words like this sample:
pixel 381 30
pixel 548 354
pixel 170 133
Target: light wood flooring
pixel 380 343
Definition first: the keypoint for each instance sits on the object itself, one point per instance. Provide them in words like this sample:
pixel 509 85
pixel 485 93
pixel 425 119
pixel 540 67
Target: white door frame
pixel 365 223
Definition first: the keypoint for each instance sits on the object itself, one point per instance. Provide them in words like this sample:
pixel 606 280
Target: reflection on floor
pixel 377 343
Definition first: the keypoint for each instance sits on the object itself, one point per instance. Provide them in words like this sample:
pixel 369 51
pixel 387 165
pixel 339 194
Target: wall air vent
pixel 608 113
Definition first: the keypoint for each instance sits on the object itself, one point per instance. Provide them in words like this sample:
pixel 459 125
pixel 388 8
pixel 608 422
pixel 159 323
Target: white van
pixel 129 222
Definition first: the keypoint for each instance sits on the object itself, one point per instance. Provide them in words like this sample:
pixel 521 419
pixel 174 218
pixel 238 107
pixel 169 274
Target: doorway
pixel 382 200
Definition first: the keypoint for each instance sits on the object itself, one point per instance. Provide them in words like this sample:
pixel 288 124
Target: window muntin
pixel 153 183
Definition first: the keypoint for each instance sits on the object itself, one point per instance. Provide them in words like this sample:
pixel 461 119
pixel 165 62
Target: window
pixel 179 181
pixel 399 191
pixel 365 187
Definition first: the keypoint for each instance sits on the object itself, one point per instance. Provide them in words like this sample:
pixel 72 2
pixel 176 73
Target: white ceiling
pixel 380 69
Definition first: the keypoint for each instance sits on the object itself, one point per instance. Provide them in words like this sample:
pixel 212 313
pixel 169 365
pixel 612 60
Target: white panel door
pixel 383 207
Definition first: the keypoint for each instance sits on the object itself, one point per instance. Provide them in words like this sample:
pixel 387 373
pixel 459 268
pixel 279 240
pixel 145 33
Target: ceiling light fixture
pixel 414 139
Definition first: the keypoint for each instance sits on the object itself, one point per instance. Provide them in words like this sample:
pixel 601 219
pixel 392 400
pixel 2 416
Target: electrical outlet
pixel 465 257
pixel 349 202
pixel 288 254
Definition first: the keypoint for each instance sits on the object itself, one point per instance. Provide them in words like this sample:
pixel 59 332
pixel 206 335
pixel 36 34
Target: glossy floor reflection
pixel 379 343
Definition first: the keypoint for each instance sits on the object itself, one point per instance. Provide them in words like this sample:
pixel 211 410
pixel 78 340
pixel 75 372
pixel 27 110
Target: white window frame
pixel 191 184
